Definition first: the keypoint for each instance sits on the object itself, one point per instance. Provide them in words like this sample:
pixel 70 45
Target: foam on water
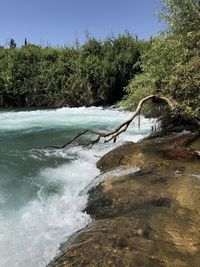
pixel 53 182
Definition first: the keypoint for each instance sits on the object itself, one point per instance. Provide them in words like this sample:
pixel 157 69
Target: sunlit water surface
pixel 42 190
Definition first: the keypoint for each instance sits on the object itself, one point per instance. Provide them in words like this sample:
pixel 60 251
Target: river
pixel 42 190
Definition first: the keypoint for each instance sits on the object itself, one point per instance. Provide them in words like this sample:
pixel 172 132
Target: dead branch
pixel 113 134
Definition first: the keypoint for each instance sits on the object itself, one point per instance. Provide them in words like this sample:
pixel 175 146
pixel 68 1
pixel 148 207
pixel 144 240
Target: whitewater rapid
pixel 42 190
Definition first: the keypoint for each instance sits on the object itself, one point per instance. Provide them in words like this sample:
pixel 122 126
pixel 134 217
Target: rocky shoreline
pixel 149 217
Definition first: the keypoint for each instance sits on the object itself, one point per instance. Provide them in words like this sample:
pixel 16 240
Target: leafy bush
pixel 171 63
pixel 92 74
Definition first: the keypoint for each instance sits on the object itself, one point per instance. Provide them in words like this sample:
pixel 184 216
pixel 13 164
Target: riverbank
pixel 149 217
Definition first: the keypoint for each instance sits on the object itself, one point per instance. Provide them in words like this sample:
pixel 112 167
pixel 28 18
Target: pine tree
pixel 12 43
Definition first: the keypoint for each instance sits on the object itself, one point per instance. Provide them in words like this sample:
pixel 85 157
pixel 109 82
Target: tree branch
pixel 113 134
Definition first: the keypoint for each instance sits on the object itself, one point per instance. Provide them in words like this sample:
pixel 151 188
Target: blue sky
pixel 60 22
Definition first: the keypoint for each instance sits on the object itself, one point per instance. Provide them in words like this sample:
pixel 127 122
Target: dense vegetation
pixel 100 73
pixel 171 64
pixel 92 74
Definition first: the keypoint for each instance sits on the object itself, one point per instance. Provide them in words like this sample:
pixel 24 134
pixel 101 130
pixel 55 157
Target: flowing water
pixel 42 190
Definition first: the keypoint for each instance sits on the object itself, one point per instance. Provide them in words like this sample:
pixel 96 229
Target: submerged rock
pixel 150 217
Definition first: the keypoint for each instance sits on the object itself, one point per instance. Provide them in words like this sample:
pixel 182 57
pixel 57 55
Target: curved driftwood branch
pixel 113 134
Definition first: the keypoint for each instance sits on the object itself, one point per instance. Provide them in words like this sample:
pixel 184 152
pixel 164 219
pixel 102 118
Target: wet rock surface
pixel 150 217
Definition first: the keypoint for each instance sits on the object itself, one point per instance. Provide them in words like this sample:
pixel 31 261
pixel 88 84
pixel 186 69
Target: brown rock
pixel 146 218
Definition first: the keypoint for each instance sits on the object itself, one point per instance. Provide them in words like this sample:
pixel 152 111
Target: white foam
pixel 33 235
pixel 64 117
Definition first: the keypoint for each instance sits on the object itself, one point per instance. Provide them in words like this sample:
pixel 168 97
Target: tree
pixel 171 64
pixel 12 43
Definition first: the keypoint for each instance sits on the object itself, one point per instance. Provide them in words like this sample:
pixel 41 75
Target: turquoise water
pixel 41 190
